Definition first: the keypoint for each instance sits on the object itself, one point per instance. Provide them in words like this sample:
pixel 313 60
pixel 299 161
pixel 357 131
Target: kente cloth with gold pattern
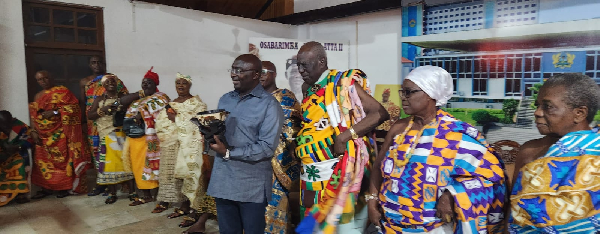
pixel 61 161
pixel 560 192
pixel 149 107
pixel 94 89
pixel 330 107
pixel 13 177
pixel 286 168
pixel 450 155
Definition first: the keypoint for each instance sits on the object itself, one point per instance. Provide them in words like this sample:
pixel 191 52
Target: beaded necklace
pixel 402 162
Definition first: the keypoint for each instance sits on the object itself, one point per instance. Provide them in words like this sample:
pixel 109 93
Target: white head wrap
pixel 434 81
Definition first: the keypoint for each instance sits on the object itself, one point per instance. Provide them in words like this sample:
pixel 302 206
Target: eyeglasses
pixel 408 92
pixel 237 71
pixel 265 71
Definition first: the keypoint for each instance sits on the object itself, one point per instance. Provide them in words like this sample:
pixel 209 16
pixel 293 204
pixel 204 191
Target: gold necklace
pixel 413 145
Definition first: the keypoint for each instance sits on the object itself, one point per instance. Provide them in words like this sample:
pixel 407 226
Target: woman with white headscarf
pixel 435 174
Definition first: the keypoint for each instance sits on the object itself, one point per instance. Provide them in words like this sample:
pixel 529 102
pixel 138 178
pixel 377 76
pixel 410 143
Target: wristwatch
pixel 226 157
pixel 55 112
pixel 353 133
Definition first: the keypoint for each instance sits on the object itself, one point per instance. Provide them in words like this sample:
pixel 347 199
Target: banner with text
pixel 282 52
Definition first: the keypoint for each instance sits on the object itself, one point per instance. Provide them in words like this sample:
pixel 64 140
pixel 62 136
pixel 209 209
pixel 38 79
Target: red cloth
pixel 153 76
pixel 60 163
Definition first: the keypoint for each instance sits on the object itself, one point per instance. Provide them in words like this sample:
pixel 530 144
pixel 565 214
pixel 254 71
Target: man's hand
pixel 219 147
pixel 374 212
pixel 445 208
pixel 48 114
pixel 36 138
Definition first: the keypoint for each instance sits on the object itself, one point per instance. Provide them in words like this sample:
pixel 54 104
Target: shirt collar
pixel 257 91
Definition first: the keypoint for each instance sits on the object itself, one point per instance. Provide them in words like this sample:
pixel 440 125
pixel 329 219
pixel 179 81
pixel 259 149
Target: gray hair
pixel 580 90
pixel 315 47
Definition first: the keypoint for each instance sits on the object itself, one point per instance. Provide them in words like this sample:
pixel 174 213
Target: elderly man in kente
pixel 338 114
pixel 435 174
pixel 60 161
pixel 90 89
pixel 242 175
pixel 15 139
pixel 143 153
pixel 109 163
pixel 557 184
pixel 286 168
pixel 183 167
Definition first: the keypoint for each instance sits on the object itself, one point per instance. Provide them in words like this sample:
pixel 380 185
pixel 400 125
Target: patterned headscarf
pixel 185 77
pixel 120 85
pixel 434 81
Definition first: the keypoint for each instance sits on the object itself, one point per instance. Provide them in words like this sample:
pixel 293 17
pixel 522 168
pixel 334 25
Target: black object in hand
pixel 211 123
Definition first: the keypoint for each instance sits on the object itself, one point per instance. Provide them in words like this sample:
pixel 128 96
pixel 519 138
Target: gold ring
pixel 448 218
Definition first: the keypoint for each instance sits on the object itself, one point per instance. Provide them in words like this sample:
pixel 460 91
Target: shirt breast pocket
pixel 248 125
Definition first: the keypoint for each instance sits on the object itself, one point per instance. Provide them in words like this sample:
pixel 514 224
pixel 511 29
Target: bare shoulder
pixel 399 126
pixel 38 95
pixel 534 149
pixel 85 81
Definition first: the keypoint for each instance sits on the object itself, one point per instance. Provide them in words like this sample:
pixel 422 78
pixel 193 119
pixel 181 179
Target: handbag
pixel 118 118
pixel 134 129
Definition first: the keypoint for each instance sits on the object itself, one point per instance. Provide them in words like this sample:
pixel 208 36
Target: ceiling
pixel 254 9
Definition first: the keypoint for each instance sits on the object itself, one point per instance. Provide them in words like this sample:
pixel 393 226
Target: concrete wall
pixel 13 75
pixel 374 42
pixel 140 35
pixel 559 10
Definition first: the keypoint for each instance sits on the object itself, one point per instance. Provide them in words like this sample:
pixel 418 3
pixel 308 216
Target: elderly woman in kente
pixel 183 167
pixel 144 152
pixel 15 139
pixel 109 161
pixel 557 184
pixel 437 174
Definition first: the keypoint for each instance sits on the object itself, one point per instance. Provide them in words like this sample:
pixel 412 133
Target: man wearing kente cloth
pixel 60 161
pixel 286 168
pixel 556 185
pixel 338 112
pixel 15 139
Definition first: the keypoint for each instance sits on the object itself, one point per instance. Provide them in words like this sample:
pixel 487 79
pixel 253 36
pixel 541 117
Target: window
pixel 514 64
pixel 61 38
pixel 480 76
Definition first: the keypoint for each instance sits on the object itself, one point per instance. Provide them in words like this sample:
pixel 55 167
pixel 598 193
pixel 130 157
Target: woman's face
pixel 110 84
pixel 183 87
pixel 553 116
pixel 414 100
pixel 148 86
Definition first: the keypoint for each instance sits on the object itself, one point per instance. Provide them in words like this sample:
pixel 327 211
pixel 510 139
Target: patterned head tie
pixel 185 77
pixel 386 91
pixel 434 81
pixel 153 76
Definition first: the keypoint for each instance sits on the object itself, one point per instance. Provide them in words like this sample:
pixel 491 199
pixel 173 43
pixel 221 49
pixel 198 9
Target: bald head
pixel 269 73
pixel 44 79
pixel 5 119
pixel 312 61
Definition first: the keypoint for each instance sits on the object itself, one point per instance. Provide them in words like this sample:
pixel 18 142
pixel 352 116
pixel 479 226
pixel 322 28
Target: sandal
pixel 177 213
pixel 41 194
pixel 132 196
pixel 189 220
pixel 112 198
pixel 140 201
pixel 97 191
pixel 160 207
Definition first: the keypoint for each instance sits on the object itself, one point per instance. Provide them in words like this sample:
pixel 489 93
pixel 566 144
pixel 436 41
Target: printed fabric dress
pixel 286 169
pixel 560 192
pixel 13 177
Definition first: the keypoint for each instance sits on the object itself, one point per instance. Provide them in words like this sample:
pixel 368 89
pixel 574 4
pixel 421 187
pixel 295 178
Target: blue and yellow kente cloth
pixel 330 107
pixel 286 168
pixel 449 155
pixel 560 192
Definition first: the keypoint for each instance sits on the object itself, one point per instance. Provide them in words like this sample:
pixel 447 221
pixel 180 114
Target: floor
pixel 83 214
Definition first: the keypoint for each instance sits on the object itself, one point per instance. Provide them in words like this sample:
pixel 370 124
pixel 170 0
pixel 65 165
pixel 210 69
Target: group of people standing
pixel 313 165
